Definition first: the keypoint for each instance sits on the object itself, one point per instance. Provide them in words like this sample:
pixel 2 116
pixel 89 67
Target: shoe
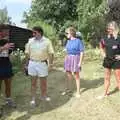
pixel 77 95
pixel 45 98
pixel 10 103
pixel 66 92
pixel 101 97
pixel 32 103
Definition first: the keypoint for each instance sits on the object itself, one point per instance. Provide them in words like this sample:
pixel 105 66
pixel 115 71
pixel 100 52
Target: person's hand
pixel 8 46
pixel 79 65
pixel 64 50
pixel 103 55
pixel 25 66
pixel 26 69
pixel 12 45
pixel 50 67
pixel 117 57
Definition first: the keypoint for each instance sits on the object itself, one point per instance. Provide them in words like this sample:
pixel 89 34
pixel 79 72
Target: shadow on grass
pixel 91 84
pixel 56 81
pixel 22 85
pixel 114 91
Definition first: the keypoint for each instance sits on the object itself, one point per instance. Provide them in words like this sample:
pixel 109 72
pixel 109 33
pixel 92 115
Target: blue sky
pixel 15 9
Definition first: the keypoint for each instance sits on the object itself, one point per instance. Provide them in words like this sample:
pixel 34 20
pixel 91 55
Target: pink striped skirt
pixel 71 63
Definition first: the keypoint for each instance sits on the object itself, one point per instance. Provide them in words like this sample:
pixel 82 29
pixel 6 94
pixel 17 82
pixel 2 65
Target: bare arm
pixel 102 50
pixel 6 46
pixel 26 59
pixel 50 53
pixel 81 58
pixel 51 58
pixel 27 52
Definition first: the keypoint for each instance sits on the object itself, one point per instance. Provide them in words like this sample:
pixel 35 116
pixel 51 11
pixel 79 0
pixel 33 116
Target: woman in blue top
pixel 73 59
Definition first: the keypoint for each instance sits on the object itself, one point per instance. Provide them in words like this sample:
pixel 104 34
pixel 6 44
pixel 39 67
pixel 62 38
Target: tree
pixel 53 12
pixel 114 12
pixel 91 19
pixel 88 16
pixel 4 18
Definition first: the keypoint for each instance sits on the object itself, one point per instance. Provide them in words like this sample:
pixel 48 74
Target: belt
pixel 39 61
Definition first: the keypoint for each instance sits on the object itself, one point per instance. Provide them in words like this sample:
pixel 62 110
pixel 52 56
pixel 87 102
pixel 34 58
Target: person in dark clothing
pixel 110 50
pixel 6 69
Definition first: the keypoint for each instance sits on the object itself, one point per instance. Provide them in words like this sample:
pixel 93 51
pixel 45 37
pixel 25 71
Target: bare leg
pixel 7 88
pixel 68 83
pixel 33 87
pixel 68 80
pixel 117 76
pixel 107 80
pixel 9 100
pixel 77 79
pixel 43 86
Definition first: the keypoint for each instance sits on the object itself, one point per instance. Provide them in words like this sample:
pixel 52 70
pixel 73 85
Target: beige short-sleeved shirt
pixel 39 49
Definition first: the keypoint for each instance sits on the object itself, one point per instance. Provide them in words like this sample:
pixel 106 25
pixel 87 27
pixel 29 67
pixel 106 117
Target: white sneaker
pixel 66 92
pixel 45 98
pixel 32 103
pixel 10 103
pixel 101 97
pixel 77 95
pixel 48 99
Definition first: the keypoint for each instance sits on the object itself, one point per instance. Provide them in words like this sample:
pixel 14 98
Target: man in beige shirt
pixel 40 52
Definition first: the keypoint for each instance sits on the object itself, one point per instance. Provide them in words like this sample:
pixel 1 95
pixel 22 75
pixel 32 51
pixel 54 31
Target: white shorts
pixel 39 69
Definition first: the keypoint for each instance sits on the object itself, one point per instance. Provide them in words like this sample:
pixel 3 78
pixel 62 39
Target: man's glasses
pixel 66 33
pixel 34 32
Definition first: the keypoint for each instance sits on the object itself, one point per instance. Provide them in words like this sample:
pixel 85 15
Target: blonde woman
pixel 110 50
pixel 73 59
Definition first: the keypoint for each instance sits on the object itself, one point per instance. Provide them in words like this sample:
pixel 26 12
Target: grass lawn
pixel 87 107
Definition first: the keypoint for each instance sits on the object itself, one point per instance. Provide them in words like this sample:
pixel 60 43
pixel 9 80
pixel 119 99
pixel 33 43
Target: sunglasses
pixel 109 29
pixel 66 33
pixel 34 32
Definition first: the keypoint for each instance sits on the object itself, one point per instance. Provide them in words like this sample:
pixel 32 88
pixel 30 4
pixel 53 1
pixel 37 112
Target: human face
pixel 68 35
pixel 36 34
pixel 110 29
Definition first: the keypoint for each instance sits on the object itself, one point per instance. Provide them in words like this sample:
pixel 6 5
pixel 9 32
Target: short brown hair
pixel 72 31
pixel 39 29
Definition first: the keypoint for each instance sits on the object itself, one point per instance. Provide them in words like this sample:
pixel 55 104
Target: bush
pixel 17 58
pixel 92 54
